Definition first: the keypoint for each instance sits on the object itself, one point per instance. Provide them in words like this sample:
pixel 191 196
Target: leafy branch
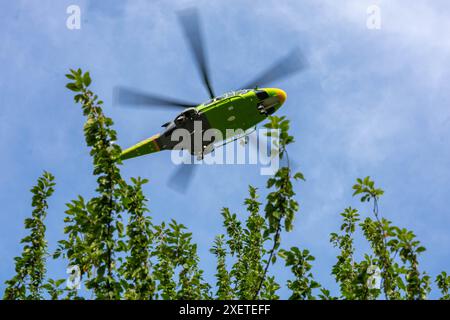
pixel 28 283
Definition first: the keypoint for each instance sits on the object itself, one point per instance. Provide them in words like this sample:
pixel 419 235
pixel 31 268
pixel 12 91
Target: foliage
pixel 123 255
pixel 304 284
pixel 252 244
pixel 443 283
pixel 136 268
pixel 244 243
pixel 93 227
pixel 28 283
pixel 395 253
pixel 136 261
pixel 175 252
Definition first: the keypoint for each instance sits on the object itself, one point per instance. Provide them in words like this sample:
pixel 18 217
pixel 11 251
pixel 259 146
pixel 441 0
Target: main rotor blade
pixel 182 177
pixel 284 67
pixel 190 23
pixel 126 96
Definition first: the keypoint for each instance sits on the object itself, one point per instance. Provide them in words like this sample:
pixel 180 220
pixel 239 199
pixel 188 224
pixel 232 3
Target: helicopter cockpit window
pixel 169 129
pixel 180 119
pixel 261 94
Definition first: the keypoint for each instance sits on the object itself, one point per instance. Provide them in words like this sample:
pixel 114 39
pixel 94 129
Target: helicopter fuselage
pixel 227 114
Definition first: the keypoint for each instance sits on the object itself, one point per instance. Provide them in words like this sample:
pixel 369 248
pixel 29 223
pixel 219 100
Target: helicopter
pixel 242 109
pixel 230 112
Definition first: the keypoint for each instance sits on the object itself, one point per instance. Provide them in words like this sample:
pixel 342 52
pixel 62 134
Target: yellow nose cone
pixel 281 95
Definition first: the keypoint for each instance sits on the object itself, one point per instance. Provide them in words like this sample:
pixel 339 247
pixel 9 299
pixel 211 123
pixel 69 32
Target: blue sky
pixel 372 102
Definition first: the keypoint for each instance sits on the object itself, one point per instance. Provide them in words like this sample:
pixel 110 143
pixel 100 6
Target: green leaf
pixel 87 79
pixel 299 176
pixel 72 86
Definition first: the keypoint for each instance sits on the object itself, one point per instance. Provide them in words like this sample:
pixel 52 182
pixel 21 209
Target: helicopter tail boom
pixel 146 146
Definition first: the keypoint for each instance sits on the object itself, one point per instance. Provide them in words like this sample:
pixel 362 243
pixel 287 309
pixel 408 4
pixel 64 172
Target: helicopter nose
pixel 281 95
